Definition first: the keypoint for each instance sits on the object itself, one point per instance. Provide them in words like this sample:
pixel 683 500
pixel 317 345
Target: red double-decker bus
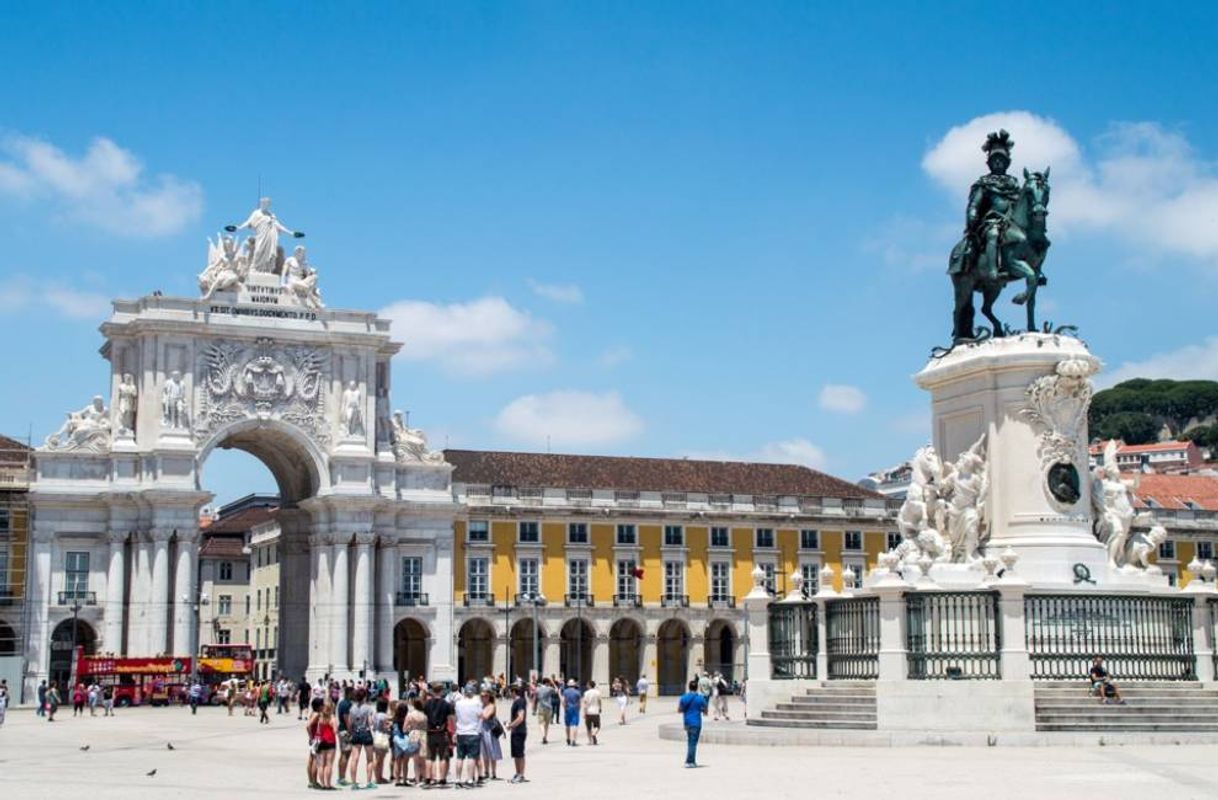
pixel 137 681
pixel 220 663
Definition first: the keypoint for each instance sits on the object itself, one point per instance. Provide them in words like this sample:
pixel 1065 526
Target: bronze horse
pixel 1020 258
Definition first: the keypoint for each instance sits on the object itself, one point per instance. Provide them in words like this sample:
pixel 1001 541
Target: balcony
pixel 411 599
pixel 527 599
pixel 581 599
pixel 627 601
pixel 479 600
pixel 675 601
pixel 721 602
pixel 77 596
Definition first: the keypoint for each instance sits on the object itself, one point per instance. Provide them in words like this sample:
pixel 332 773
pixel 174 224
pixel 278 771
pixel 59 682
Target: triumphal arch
pixel 255 362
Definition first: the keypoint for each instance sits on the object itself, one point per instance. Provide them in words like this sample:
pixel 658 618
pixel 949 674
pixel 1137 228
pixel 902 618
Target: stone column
pixel 38 594
pixel 295 572
pixel 184 598
pixel 649 667
pixel 551 657
pixel 158 598
pixel 822 637
pixel 319 607
pixel 386 577
pixel 600 661
pixel 361 604
pixel 340 608
pixel 1203 631
pixel 442 660
pixel 694 664
pixel 112 632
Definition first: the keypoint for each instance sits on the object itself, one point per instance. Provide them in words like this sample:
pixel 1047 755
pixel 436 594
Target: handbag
pixel 496 729
pixel 380 740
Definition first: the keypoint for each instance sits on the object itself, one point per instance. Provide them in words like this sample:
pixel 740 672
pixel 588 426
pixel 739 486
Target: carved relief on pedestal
pixel 1057 406
pixel 239 380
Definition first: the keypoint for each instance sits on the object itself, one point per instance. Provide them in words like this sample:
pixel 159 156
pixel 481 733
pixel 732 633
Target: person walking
pixel 327 742
pixel 78 700
pixel 93 697
pixel 264 702
pixel 518 731
pixel 719 693
pixel 108 701
pixel 592 712
pixel 468 713
pixel 42 699
pixel 492 729
pixel 304 695
pixel 640 689
pixel 195 695
pixel 546 694
pixel 621 694
pixel 416 738
pixel 571 701
pixel 692 707
pixel 52 702
pixel 3 701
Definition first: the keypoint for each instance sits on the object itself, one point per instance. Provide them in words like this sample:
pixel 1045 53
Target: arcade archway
pixel 526 644
pixel 62 640
pixel 719 649
pixel 475 643
pixel 410 644
pixel 672 656
pixel 626 651
pixel 575 652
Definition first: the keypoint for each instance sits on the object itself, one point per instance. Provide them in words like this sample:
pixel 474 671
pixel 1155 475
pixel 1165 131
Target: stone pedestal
pixel 1028 394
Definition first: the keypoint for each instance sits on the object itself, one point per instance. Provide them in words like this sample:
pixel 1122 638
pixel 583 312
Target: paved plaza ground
pixel 217 756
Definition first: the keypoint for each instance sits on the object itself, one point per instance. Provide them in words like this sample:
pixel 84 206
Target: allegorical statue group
pixel 230 264
pixel 1004 241
pixel 944 515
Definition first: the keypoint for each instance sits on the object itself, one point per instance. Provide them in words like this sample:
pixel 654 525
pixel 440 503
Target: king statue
pixel 1004 240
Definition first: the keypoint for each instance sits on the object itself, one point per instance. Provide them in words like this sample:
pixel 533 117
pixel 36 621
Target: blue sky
pixel 643 228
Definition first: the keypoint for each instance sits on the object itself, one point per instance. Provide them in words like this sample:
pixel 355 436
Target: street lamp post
pixel 201 599
pixel 72 675
pixel 507 631
pixel 537 599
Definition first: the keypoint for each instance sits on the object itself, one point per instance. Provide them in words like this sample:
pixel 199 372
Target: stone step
pixel 828 708
pixel 843 694
pixel 798 714
pixel 1041 685
pixel 1134 688
pixel 816 700
pixel 1130 727
pixel 799 723
pixel 825 703
pixel 1183 708
pixel 1130 716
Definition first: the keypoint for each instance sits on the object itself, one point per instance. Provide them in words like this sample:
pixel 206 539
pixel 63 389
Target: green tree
pixel 1132 427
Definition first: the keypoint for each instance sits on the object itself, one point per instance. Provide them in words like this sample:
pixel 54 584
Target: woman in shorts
pixel 359 723
pixel 327 741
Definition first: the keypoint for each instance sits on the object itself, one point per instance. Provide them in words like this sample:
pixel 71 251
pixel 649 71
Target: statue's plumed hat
pixel 1000 142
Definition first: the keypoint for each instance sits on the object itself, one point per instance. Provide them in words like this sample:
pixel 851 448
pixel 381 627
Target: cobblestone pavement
pixel 216 756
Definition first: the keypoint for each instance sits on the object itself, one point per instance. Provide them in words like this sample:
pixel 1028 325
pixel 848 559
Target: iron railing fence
pixel 794 643
pixel 1140 638
pixel 852 638
pixel 953 635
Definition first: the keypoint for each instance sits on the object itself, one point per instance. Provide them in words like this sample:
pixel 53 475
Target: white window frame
pixel 471 573
pixel 727 531
pixel 410 583
pixel 680 530
pixel 674 572
pixel 724 591
pixel 757 545
pixel 634 534
pixel 528 579
pixel 811 573
pixel 627 584
pixel 536 530
pixel 469 531
pixel 846 542
pixel 225 566
pixel 224 605
pixel 577 575
pixel 581 526
pixel 815 535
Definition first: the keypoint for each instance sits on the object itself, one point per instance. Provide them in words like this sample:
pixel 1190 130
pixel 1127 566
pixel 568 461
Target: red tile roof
pixel 646 474
pixel 1155 447
pixel 1175 491
pixel 13 451
pixel 223 547
pixel 243 520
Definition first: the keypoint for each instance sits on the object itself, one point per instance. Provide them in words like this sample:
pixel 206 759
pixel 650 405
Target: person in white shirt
pixel 468 713
pixel 592 712
pixel 640 689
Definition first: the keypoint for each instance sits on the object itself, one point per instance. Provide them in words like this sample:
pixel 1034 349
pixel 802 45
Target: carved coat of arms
pixel 241 381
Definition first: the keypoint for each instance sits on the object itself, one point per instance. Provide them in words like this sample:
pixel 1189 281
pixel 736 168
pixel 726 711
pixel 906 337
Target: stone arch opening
pixel 719 648
pixel 475 643
pixel 298 467
pixel 410 644
pixel 8 639
pixel 575 653
pixel 672 656
pixel 67 633
pixel 626 651
pixel 525 647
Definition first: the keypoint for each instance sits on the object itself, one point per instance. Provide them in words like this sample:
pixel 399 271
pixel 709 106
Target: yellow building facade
pixel 606 567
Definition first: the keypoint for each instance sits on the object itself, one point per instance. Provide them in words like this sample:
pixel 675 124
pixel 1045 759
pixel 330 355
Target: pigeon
pixel 150 774
pixel 84 748
pixel 169 745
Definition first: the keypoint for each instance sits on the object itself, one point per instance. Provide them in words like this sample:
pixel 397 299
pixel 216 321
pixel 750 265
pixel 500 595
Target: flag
pixel 637 572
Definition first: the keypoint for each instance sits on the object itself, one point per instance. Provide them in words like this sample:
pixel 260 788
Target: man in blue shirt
pixel 571 699
pixel 692 706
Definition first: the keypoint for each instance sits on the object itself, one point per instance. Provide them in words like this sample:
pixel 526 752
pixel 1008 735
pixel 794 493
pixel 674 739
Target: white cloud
pixel 915 422
pixel 22 293
pixel 568 419
pixel 568 293
pixel 788 451
pixel 842 398
pixel 613 356
pixel 1192 362
pixel 1141 182
pixel 912 244
pixel 105 187
pixel 482 337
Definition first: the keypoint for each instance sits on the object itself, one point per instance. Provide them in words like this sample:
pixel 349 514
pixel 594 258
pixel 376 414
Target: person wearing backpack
pixel 359 724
